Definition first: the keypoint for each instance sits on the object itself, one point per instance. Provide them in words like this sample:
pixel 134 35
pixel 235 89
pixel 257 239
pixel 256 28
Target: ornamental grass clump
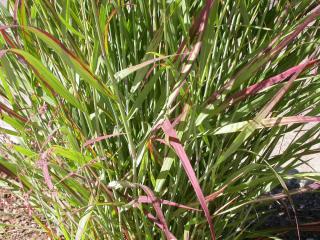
pixel 157 119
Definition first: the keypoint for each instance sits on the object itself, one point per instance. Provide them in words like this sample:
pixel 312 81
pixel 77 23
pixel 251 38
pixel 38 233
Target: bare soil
pixel 15 221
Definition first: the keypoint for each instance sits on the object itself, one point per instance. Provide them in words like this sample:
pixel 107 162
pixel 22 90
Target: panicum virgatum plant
pixel 154 119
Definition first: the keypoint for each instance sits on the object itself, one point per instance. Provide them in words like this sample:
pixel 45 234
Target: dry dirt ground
pixel 15 221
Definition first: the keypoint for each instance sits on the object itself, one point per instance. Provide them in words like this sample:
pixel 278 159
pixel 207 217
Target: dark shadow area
pixel 283 215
